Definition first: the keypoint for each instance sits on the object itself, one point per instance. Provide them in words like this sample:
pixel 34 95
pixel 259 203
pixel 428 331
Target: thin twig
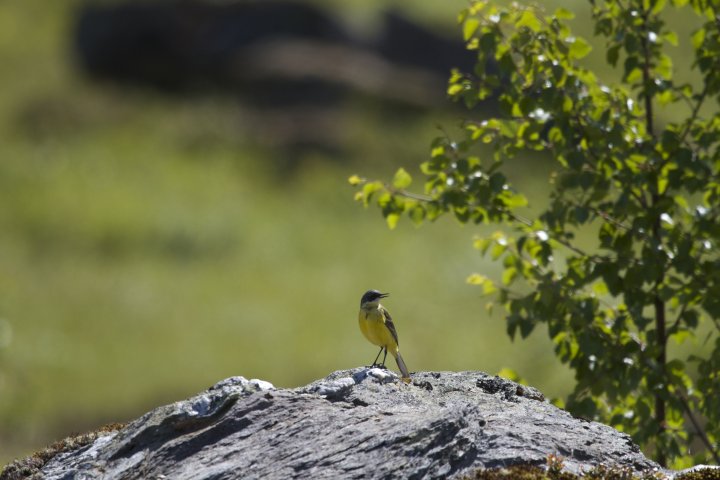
pixel 696 112
pixel 561 241
pixel 698 428
pixel 405 193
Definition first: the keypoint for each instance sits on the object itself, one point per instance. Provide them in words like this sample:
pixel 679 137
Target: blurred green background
pixel 150 246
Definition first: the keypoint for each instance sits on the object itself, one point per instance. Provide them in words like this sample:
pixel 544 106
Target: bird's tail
pixel 403 368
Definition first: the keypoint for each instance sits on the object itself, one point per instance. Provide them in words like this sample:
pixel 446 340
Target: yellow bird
pixel 377 326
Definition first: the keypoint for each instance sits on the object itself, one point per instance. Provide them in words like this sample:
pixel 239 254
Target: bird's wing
pixel 390 325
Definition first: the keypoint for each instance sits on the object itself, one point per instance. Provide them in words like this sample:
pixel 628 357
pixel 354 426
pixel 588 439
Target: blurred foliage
pixel 648 192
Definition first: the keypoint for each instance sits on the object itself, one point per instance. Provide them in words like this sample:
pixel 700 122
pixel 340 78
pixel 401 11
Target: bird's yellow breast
pixel 372 325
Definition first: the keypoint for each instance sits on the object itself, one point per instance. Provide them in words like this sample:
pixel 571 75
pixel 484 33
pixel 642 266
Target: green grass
pixel 150 247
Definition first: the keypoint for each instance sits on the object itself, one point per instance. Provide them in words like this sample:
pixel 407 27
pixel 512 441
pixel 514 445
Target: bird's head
pixel 372 297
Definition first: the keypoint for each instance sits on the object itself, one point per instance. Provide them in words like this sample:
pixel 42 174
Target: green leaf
pixel 417 214
pixel 476 279
pixel 392 220
pixel 691 318
pixel 470 27
pixel 667 97
pixel 600 288
pixel 556 135
pixel 402 179
pixel 437 151
pixel 612 55
pixel 658 6
pixel 455 89
pixel 634 76
pixel 368 190
pixel 681 336
pixel 509 275
pixel 512 323
pixel 497 251
pixel 497 182
pixel 581 214
pixel 529 20
pixel 671 37
pixel 462 214
pixel 482 244
pixel 515 200
pixel 487 284
pixel 698 38
pixel 563 14
pixel 489 287
pixel 664 66
pixel 579 48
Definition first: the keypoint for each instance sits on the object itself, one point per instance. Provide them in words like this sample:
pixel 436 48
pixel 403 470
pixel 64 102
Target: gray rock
pixel 360 423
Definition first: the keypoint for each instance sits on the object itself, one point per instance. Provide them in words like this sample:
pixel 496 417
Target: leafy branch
pixel 622 178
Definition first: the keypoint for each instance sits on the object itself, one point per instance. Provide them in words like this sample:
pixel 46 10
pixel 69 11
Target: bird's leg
pixel 378 356
pixel 385 357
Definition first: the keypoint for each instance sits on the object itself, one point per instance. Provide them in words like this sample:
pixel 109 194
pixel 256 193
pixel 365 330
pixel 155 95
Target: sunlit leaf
pixel 698 38
pixel 392 220
pixel 402 179
pixel 509 275
pixel 470 27
pixel 579 48
pixel 455 89
pixel 476 279
pixel 529 20
pixel 563 14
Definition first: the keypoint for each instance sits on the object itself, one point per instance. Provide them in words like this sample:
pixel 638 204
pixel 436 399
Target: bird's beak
pixel 383 295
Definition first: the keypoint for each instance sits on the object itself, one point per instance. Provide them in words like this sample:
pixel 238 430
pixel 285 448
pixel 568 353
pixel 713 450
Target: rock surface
pixel 361 423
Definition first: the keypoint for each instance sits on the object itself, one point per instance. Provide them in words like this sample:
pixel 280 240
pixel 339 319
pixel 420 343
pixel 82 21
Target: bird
pixel 377 326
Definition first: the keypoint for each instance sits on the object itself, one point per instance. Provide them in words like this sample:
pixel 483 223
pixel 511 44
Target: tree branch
pixel 698 428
